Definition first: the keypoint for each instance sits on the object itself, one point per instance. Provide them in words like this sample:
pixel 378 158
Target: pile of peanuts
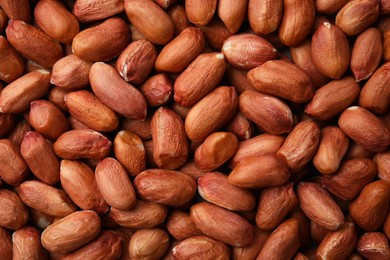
pixel 214 129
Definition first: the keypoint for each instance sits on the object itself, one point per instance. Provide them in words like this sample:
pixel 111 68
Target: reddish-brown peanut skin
pixel 92 10
pixel 169 139
pixel 180 225
pixel 6 250
pixel 222 224
pixel 11 64
pixel 27 244
pixel 232 13
pixel 14 212
pixel 201 247
pixel 200 12
pixel 148 244
pixel 265 15
pixel 370 242
pixel 364 128
pixel 13 168
pixel 17 9
pixel 151 20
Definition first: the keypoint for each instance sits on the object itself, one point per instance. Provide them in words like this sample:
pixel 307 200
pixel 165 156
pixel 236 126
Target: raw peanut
pixel 200 13
pixel 304 227
pixel 93 10
pixel 14 214
pixel 7 123
pixel 374 245
pixel 356 151
pixel 16 97
pixel 382 161
pixel 214 187
pixel 331 150
pixel 139 127
pixel 106 246
pixel 297 21
pixel 251 251
pixel 20 129
pixel 27 244
pixel 78 180
pixel 180 225
pixel 89 110
pixel 171 188
pixel 114 184
pixel 300 145
pixel 338 244
pixel 180 110
pixel 256 146
pixel 178 15
pixel 319 206
pixel 115 92
pixel 238 79
pixel 143 215
pixel 40 220
pixel 102 42
pixel 56 97
pixel 375 94
pixel 169 139
pixel 47 119
pixel 33 44
pixel 332 98
pixel 16 9
pixel 274 205
pixel 282 79
pixel 384 7
pixel 369 209
pixel 357 15
pixel 135 34
pixel 71 73
pixel 157 90
pixel 6 244
pixel 215 33
pixel 264 15
pixel 282 243
pixel 150 20
pixel 301 56
pixel 136 61
pixel 329 6
pixel 46 199
pixel 13 168
pixel 350 178
pixel 76 124
pixel 71 232
pixel 201 247
pixel 247 51
pixel 215 150
pixel 364 128
pixel 56 21
pixel 191 170
pixel 148 244
pixel 209 69
pixel 125 235
pixel 330 50
pixel 317 232
pixel 220 104
pixel 222 224
pixel 259 171
pixel 76 144
pixel 232 13
pixel 241 127
pixel 181 51
pixel 40 158
pixel 130 152
pixel 366 54
pixel 11 64
pixel 270 114
pixel 165 3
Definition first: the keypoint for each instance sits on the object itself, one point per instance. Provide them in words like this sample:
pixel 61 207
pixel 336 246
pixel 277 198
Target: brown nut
pixel 200 13
pixel 370 242
pixel 14 213
pixel 157 90
pixel 13 168
pixel 11 64
pixel 241 127
pixel 17 9
pixel 201 247
pixel 232 13
pixel 6 250
pixel 93 10
pixel 148 244
pixel 180 225
pixel 265 16
pixel 27 244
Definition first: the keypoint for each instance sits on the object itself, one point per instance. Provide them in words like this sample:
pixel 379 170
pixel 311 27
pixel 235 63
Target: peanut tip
pixel 220 56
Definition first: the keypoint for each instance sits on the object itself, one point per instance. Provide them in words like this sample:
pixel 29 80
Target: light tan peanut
pixel 76 144
pixel 102 42
pixel 150 20
pixel 171 188
pixel 169 139
pixel 92 10
pixel 221 105
pixel 114 184
pixel 209 69
pixel 78 180
pixel 143 215
pixel 27 244
pixel 130 152
pixel 222 224
pixel 13 168
pixel 148 244
pixel 181 51
pixel 115 92
pixel 33 148
pixel 46 199
pixel 71 232
pixel 14 214
pixel 45 51
pixel 350 178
